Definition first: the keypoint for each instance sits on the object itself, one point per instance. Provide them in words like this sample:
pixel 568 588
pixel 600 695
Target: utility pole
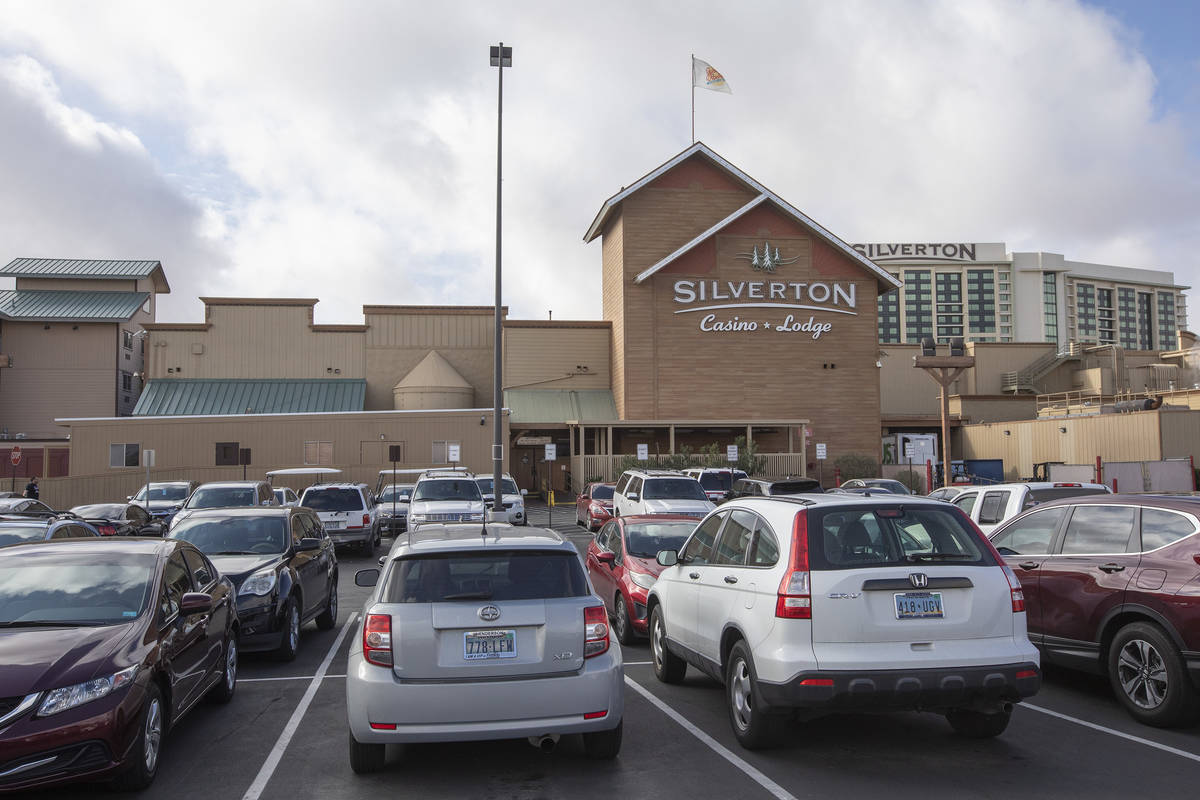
pixel 944 370
pixel 501 57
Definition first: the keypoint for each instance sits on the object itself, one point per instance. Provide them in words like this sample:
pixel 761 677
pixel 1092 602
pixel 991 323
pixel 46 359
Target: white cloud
pixel 347 151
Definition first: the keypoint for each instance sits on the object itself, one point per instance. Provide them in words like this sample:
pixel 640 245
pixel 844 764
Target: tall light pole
pixel 500 57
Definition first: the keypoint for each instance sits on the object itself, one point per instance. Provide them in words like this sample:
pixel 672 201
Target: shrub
pixel 912 479
pixel 857 465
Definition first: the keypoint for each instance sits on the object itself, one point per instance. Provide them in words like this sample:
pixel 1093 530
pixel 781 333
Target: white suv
pixel 348 512
pixel 659 491
pixel 842 602
pixel 717 481
pixel 512 499
pixel 988 506
pixel 441 496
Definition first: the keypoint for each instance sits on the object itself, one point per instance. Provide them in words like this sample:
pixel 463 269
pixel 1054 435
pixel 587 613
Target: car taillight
pixel 377 639
pixel 366 520
pixel 595 631
pixel 1015 590
pixel 794 600
pixel 106 530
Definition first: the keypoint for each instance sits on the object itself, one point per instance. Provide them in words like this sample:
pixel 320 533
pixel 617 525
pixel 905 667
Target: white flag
pixel 704 76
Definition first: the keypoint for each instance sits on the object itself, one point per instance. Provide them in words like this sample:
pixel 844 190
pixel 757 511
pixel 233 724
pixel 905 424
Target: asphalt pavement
pixel 284 736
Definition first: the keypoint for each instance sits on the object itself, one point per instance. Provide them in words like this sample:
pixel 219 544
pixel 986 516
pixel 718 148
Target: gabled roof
pixel 37 305
pixel 764 195
pixel 82 268
pixel 183 396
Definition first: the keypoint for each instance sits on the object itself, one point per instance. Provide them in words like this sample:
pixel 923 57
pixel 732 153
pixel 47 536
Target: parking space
pixel 284 736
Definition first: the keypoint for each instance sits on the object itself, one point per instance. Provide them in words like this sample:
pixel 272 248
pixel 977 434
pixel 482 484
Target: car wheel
pixel 328 618
pixel 621 624
pixel 148 747
pixel 365 758
pixel 289 642
pixel 668 667
pixel 755 726
pixel 976 724
pixel 603 745
pixel 1150 678
pixel 223 691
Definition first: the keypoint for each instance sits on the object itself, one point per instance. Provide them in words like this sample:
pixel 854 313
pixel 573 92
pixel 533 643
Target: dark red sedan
pixel 1112 586
pixel 594 505
pixel 621 563
pixel 106 645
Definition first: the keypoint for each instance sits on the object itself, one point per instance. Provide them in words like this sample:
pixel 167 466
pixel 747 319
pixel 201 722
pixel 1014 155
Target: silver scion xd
pixel 477 632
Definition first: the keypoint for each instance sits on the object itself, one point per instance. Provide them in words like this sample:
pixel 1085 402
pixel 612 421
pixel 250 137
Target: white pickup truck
pixel 988 506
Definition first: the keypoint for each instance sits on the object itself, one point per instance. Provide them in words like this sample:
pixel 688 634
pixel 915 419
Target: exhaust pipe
pixel 546 743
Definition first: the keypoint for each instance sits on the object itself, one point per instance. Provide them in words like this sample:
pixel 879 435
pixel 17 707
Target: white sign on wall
pixel 148 458
pixel 731 453
pixel 909 451
pixel 643 452
pixel 551 451
pixel 820 451
pixel 453 453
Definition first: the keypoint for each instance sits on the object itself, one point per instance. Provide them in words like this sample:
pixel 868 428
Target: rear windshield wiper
pixel 48 623
pixel 468 596
pixel 941 557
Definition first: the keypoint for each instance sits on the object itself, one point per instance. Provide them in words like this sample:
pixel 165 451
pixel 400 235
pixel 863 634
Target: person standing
pixel 31 488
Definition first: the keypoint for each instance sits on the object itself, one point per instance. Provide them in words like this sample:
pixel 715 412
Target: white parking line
pixel 289 730
pixel 759 778
pixel 1165 748
pixel 285 678
pixel 637 663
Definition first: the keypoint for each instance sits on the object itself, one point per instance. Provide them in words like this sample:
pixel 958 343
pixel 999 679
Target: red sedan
pixel 594 505
pixel 621 563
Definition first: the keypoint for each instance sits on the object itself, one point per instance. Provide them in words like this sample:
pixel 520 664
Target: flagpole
pixel 692 81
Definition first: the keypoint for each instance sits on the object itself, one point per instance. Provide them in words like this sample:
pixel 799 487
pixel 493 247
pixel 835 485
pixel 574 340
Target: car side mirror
pixel 667 558
pixel 524 492
pixel 607 558
pixel 195 603
pixel 366 577
pixel 128 498
pixel 308 543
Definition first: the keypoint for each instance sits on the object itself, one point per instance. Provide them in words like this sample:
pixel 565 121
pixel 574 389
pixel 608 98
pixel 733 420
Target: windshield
pixel 332 500
pixel 234 535
pixel 646 539
pixel 485 485
pixel 223 497
pixel 895 487
pixel 673 489
pixel 400 493
pixel 11 534
pixel 494 575
pixel 455 489
pixel 602 493
pixel 716 480
pixel 101 510
pixel 86 588
pixel 170 492
pixel 892 536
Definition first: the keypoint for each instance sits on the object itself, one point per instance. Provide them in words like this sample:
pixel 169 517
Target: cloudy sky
pixel 347 150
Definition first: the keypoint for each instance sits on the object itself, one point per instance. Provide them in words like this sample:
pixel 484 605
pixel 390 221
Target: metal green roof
pixel 39 305
pixel 560 405
pixel 195 396
pixel 78 268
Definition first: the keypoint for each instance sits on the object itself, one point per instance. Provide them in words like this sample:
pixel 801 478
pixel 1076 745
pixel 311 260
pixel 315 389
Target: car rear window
pixel 673 489
pixel 1059 492
pixel 223 497
pixel 795 487
pixel 333 500
pixel 716 480
pixel 602 493
pixel 494 575
pixel 888 536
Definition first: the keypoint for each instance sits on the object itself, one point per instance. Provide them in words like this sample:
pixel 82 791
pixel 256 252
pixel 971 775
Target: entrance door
pixel 524 467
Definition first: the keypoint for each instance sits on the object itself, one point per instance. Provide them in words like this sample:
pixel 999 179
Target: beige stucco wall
pixel 904 389
pixel 567 355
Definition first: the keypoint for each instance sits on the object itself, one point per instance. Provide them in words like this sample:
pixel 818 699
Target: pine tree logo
pixel 768 260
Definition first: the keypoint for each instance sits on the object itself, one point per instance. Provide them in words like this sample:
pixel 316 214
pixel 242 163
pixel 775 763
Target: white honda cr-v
pixel 844 602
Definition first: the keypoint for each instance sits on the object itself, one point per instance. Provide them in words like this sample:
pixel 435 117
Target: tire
pixel 328 618
pixel 148 748
pixel 668 667
pixel 621 624
pixel 755 726
pixel 366 758
pixel 368 547
pixel 289 640
pixel 976 724
pixel 603 745
pixel 1162 694
pixel 223 691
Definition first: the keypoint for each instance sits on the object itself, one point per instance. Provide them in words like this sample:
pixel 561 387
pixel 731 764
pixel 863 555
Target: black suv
pixel 283 565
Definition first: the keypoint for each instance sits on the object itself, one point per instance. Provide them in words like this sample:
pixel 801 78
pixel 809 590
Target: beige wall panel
pixel 1180 434
pixel 545 358
pixel 430 331
pixel 994 408
pixel 611 284
pixel 904 389
pixel 995 359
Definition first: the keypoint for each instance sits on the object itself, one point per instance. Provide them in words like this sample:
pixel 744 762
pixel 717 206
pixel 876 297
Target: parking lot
pixel 284 736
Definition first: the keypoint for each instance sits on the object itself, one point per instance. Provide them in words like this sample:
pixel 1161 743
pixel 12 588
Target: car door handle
pixel 694 575
pixel 1111 568
pixel 1028 565
pixel 730 579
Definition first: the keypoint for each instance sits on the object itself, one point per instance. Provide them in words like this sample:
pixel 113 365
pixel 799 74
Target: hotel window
pixel 889 317
pixel 1127 318
pixel 123 455
pixel 1085 311
pixel 1050 306
pixel 981 301
pixel 318 454
pixel 441 451
pixel 1166 321
pixel 1145 303
pixel 918 305
pixel 1104 316
pixel 226 454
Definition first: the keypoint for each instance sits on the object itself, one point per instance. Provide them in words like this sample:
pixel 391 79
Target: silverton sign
pixel 742 296
pixel 929 251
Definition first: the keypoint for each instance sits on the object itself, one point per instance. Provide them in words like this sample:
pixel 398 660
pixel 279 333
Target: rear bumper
pixel 351 536
pixel 393 525
pixel 951 687
pixel 427 711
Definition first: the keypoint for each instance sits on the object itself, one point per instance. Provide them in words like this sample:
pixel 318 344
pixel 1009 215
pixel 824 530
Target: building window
pixel 126 382
pixel 127 339
pixel 227 454
pixel 1166 321
pixel 123 455
pixel 918 305
pixel 441 451
pixel 1145 303
pixel 318 454
pixel 1085 311
pixel 889 317
pixel 981 301
pixel 1050 306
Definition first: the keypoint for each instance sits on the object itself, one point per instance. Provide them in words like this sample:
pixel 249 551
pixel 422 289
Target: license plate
pixel 919 605
pixel 479 645
pixel 334 523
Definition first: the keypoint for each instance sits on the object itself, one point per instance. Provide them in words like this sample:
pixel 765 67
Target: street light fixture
pixel 501 57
